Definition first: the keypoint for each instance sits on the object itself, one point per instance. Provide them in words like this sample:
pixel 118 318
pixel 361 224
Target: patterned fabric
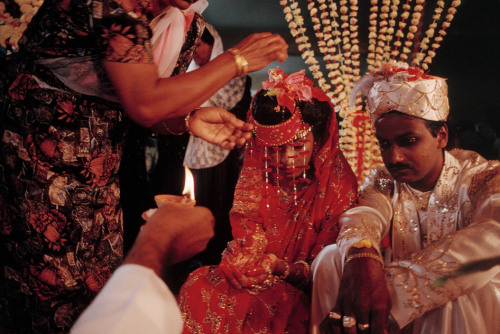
pixel 296 228
pixel 397 86
pixel 60 150
pixel 200 153
pixel 433 234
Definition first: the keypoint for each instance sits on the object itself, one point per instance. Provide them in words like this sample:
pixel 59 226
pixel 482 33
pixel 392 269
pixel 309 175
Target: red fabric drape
pixel 295 228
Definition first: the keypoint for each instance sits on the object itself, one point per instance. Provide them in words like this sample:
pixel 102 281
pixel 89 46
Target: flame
pixel 188 184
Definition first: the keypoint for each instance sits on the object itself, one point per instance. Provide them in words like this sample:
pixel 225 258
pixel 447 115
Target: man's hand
pixel 171 235
pixel 363 295
pixel 220 127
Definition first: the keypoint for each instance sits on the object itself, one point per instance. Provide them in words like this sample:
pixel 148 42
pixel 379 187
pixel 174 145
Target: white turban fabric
pixel 396 86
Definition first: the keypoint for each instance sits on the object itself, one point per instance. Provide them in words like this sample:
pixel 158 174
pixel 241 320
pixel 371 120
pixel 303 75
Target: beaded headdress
pixel 288 89
pixel 396 86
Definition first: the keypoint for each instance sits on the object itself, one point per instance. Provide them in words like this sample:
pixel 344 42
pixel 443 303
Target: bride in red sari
pixel 294 184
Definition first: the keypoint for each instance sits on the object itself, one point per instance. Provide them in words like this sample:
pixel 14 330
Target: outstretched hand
pixel 170 235
pixel 244 262
pixel 220 127
pixel 261 49
pixel 363 296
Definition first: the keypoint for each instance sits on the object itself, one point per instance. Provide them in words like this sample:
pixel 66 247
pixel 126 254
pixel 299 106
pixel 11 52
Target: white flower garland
pixel 12 28
pixel 393 33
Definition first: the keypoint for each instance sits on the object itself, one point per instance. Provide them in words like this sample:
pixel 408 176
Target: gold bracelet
pixel 360 255
pixel 362 244
pixel 270 280
pixel 170 131
pixel 241 62
pixel 186 121
pixel 286 272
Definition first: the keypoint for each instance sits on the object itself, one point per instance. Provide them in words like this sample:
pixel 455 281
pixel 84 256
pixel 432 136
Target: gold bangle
pixel 286 272
pixel 241 62
pixel 171 131
pixel 360 255
pixel 362 244
pixel 186 121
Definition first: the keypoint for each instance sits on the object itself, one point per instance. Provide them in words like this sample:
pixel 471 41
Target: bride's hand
pixel 259 272
pixel 220 127
pixel 233 274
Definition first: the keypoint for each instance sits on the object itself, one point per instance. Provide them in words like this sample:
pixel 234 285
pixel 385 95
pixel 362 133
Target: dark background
pixel 468 57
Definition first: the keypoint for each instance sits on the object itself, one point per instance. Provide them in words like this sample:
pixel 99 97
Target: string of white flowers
pixel 372 36
pixel 399 33
pixel 296 25
pixel 394 6
pixel 12 28
pixel 383 47
pixel 393 31
pixel 356 137
pixel 324 36
pixel 427 59
pixel 412 29
pixel 384 35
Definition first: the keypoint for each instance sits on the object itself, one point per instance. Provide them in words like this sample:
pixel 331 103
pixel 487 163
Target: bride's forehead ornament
pixel 288 90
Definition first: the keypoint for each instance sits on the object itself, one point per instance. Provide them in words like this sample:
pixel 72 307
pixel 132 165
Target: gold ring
pixel 334 315
pixel 348 322
pixel 363 327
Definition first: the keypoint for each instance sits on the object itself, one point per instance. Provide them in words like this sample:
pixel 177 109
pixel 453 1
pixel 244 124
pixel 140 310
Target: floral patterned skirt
pixel 61 222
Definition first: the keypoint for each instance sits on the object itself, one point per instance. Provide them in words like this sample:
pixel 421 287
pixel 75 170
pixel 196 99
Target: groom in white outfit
pixel 439 210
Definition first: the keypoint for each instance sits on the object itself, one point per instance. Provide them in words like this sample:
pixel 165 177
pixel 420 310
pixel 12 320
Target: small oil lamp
pixel 187 198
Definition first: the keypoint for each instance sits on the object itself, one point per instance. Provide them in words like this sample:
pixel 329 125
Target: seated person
pixel 293 186
pixel 440 209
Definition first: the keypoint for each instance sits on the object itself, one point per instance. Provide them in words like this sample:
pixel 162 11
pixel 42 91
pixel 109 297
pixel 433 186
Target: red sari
pixel 296 227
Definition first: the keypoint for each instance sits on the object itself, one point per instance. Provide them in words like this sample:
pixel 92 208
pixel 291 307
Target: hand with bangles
pixel 363 303
pixel 260 49
pixel 245 265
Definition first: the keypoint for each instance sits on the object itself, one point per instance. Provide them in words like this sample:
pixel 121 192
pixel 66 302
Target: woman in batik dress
pixel 294 184
pixel 83 71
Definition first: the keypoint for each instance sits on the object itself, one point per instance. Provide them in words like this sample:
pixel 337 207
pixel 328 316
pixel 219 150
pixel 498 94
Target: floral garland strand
pixel 380 40
pixel 430 33
pixel 12 28
pixel 350 68
pixel 297 29
pixel 357 141
pixel 416 17
pixel 394 30
pixel 386 33
pixel 394 6
pixel 325 42
pixel 399 33
pixel 372 36
pixel 384 36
